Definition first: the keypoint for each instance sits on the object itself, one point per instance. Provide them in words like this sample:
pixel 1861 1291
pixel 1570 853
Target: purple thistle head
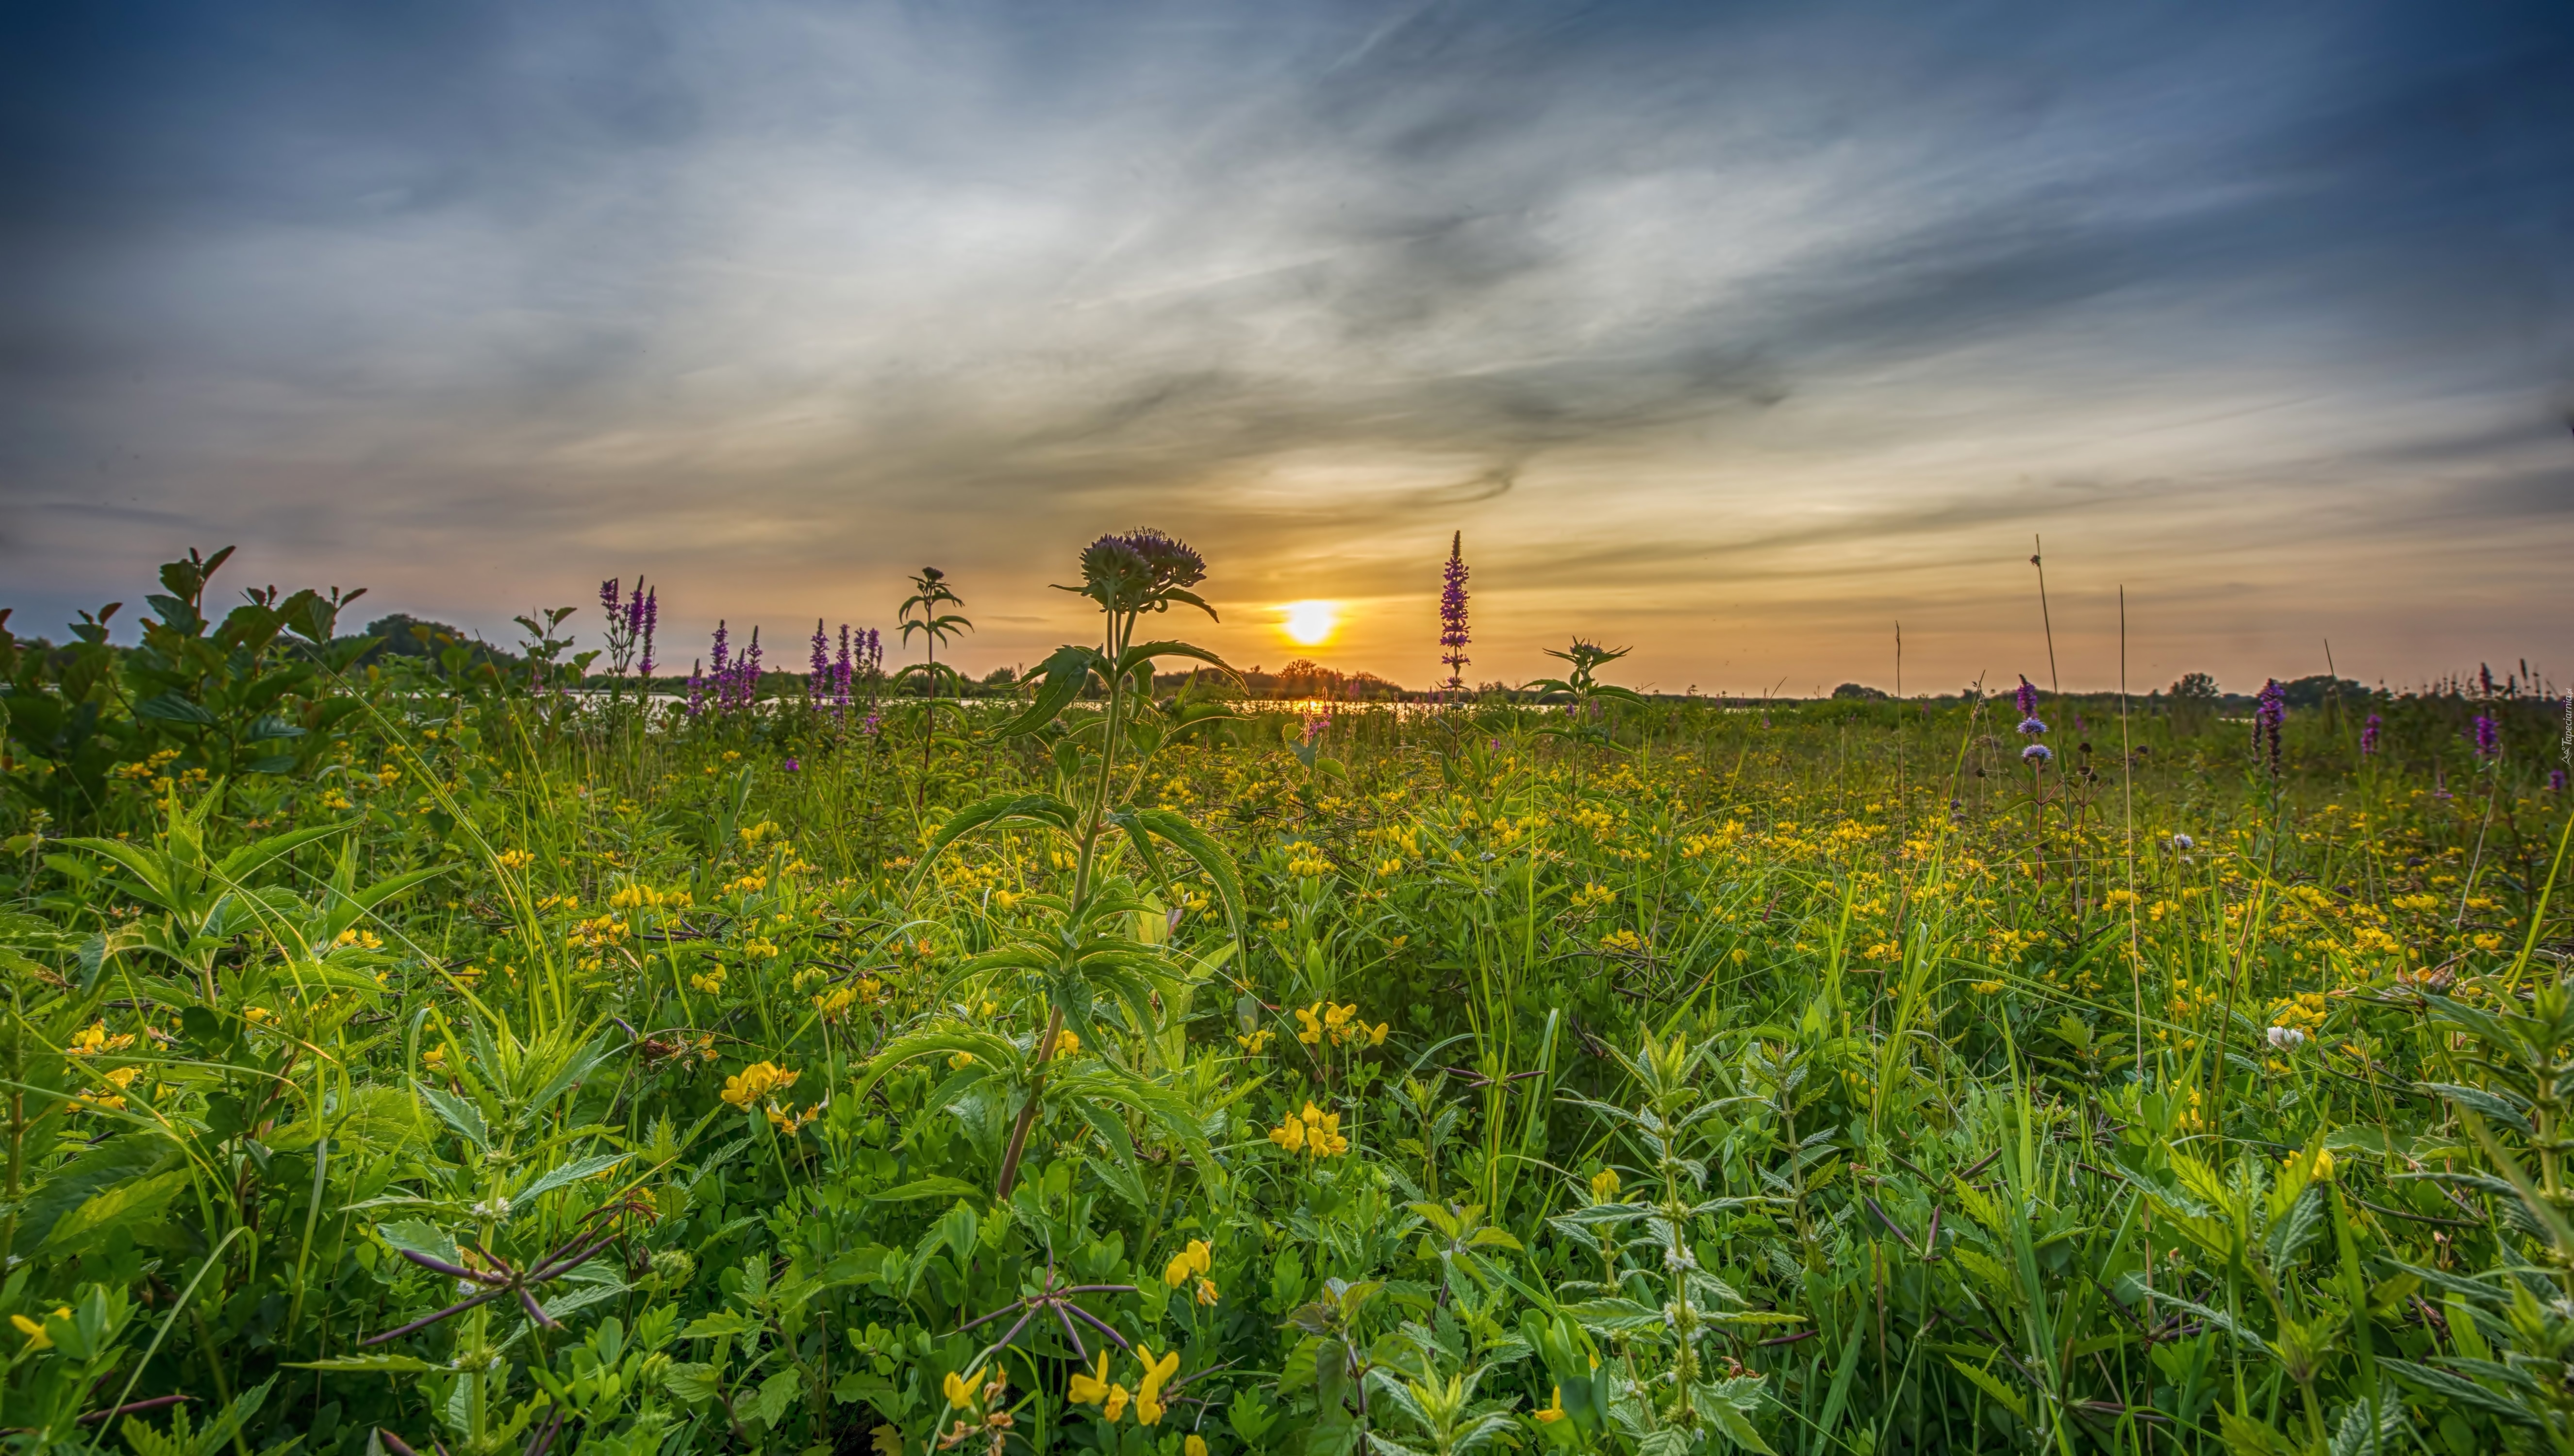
pixel 2488 737
pixel 2025 699
pixel 1452 611
pixel 2369 735
pixel 792 766
pixel 2038 755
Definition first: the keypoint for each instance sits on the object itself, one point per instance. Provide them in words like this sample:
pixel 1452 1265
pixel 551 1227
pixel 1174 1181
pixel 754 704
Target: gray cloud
pixel 1651 299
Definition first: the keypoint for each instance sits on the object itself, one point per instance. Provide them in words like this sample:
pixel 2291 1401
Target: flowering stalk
pixel 1452 613
pixel 2269 712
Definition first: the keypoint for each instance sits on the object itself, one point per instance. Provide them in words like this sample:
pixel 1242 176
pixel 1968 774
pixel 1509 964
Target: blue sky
pixel 1739 333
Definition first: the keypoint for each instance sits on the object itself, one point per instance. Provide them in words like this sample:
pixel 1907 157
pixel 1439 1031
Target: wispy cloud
pixel 1784 318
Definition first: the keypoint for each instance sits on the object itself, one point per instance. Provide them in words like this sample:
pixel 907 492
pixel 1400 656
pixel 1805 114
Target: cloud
pixel 1677 309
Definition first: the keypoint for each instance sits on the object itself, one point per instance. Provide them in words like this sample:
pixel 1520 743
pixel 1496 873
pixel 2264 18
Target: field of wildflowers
pixel 413 1054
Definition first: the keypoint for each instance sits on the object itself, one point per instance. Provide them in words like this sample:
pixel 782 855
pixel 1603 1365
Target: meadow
pixel 411 1054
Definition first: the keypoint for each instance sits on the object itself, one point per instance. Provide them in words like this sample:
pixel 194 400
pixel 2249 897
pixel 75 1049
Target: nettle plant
pixel 1106 941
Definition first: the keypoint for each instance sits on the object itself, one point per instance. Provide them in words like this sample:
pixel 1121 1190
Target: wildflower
pixel 1987 988
pixel 1312 1035
pixel 1452 613
pixel 1555 1411
pixel 1195 1445
pixel 1138 571
pixel 1207 1291
pixel 1115 1408
pixel 835 1000
pixel 96 1039
pixel 2488 738
pixel 435 1058
pixel 2184 843
pixel 792 1123
pixel 755 1082
pixel 960 1389
pixel 2269 712
pixel 2038 755
pixel 1066 1043
pixel 961 1060
pixel 1148 1391
pixel 2032 727
pixel 1087 1387
pixel 2286 1039
pixel 2556 781
pixel 34 1331
pixel 1197 1258
pixel 2369 735
pixel 1254 1042
pixel 2025 699
pixel 1604 1185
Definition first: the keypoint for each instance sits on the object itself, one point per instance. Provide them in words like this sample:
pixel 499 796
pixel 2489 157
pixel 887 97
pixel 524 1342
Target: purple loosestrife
pixel 1452 613
pixel 751 670
pixel 722 661
pixel 697 690
pixel 2025 699
pixel 651 616
pixel 2269 712
pixel 2369 735
pixel 840 676
pixel 818 682
pixel 2488 737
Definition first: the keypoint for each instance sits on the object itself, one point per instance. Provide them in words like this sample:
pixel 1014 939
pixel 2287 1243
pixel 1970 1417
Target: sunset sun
pixel 1310 624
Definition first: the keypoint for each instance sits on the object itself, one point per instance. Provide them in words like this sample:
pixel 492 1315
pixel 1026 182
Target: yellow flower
pixel 755 1082
pixel 1115 1409
pixel 1208 1292
pixel 1376 1034
pixel 435 1058
pixel 1195 1445
pixel 960 1389
pixel 1066 1043
pixel 1289 1134
pixel 1604 1185
pixel 1090 1388
pixel 793 1123
pixel 34 1331
pixel 1555 1412
pixel 1197 1258
pixel 835 1000
pixel 1149 1394
pixel 961 1060
pixel 1312 1035
pixel 1255 1040
pixel 96 1039
pixel 1987 988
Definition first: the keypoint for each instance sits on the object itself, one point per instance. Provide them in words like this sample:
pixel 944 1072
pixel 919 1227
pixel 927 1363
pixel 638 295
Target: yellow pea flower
pixel 960 1389
pixel 1195 1445
pixel 1148 1395
pixel 1115 1409
pixel 1555 1412
pixel 1088 1388
pixel 1207 1291
pixel 1066 1044
pixel 1604 1185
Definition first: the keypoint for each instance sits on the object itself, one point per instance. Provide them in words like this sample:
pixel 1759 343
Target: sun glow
pixel 1310 624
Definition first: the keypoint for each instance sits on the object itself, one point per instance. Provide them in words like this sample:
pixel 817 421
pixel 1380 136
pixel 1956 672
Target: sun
pixel 1310 624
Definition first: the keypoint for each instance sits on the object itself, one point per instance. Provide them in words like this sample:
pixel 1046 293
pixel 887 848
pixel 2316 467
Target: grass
pixel 1654 1078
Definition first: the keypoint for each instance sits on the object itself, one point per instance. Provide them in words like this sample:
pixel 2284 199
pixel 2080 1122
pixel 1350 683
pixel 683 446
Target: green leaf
pixel 171 707
pixel 567 1173
pixel 2003 1395
pixel 1063 675
pixel 1202 848
pixel 369 1364
pixel 128 1204
pixel 420 1238
pixel 938 1185
pixel 457 1112
pixel 1738 1427
pixel 776 1393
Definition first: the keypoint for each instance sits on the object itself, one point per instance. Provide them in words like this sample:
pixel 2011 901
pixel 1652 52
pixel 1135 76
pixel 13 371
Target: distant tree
pixel 1305 677
pixel 1859 691
pixel 2195 699
pixel 1000 676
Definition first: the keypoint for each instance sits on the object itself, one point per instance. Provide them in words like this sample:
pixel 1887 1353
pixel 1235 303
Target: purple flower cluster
pixel 2556 781
pixel 2031 725
pixel 733 680
pixel 2038 755
pixel 861 654
pixel 2269 710
pixel 2369 735
pixel 1452 612
pixel 2488 737
pixel 631 621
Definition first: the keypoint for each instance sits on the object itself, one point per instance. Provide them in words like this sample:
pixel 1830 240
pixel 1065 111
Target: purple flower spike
pixel 607 595
pixel 1452 612
pixel 2369 735
pixel 2488 738
pixel 2556 781
pixel 2269 712
pixel 2027 699
pixel 652 616
pixel 818 681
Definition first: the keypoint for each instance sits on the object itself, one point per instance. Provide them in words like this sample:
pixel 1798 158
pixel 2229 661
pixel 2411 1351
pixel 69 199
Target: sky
pixel 1742 335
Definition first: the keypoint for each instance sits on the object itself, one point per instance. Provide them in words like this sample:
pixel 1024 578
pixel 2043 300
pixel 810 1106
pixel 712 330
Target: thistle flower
pixel 2027 699
pixel 1452 612
pixel 2488 738
pixel 2037 756
pixel 2369 735
pixel 1139 571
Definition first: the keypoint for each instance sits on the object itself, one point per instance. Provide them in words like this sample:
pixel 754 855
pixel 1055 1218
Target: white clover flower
pixel 2288 1039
